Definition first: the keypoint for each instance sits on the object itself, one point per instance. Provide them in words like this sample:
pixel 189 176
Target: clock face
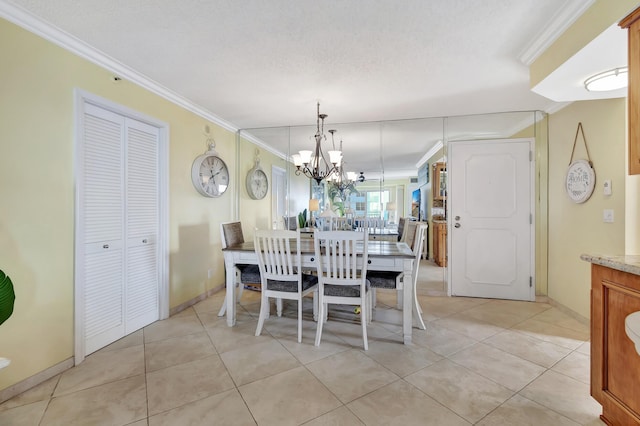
pixel 210 175
pixel 257 184
pixel 580 181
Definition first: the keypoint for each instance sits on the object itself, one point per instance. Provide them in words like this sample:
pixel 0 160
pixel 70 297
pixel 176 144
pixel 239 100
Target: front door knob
pixel 457 225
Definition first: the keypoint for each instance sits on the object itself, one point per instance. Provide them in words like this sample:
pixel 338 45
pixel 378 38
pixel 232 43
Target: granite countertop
pixel 624 263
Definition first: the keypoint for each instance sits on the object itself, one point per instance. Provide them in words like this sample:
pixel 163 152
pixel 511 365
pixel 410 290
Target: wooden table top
pixel 375 248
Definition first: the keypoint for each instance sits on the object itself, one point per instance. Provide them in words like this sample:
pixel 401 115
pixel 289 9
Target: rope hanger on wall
pixel 580 130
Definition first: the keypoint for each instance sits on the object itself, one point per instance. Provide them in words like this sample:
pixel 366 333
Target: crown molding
pixel 562 20
pixel 36 25
pixel 432 151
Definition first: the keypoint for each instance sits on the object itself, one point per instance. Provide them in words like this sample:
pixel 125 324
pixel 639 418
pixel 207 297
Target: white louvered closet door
pixel 118 196
pixel 142 210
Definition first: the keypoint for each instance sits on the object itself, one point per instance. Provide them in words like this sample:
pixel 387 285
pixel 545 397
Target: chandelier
pixel 314 164
pixel 343 181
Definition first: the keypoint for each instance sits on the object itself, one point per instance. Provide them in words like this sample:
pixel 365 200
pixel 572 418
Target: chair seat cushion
pixel 383 279
pixel 249 273
pixel 308 281
pixel 343 290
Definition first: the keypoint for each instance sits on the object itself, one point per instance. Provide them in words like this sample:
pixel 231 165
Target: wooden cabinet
pixel 615 364
pixel 439 181
pixel 632 23
pixel 440 243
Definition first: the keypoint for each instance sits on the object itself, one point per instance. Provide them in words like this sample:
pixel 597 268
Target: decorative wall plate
pixel 580 181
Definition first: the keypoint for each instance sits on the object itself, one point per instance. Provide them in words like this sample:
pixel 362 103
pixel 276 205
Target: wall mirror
pixel 389 154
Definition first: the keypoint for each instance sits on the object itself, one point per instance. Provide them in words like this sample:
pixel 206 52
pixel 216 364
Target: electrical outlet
pixel 608 216
pixel 210 273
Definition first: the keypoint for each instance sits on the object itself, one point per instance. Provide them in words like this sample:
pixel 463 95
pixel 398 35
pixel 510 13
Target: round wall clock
pixel 257 182
pixel 209 174
pixel 580 181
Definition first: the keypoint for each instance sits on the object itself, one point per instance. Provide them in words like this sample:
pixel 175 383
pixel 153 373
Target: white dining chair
pixel 395 280
pixel 231 234
pixel 280 272
pixel 340 224
pixel 341 263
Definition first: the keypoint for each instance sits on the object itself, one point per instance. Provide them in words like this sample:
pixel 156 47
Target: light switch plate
pixel 606 187
pixel 608 216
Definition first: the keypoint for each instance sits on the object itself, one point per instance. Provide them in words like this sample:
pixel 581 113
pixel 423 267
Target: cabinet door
pixel 632 22
pixel 439 182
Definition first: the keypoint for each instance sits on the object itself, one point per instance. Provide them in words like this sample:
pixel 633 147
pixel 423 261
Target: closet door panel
pixel 104 299
pixel 102 227
pixel 102 208
pixel 142 221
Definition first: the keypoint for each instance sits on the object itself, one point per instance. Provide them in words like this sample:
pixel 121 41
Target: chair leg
pixel 417 310
pixel 399 298
pixel 363 319
pixel 264 309
pixel 239 290
pixel 279 306
pixel 300 320
pixel 315 305
pixel 320 322
pixel 223 308
pixel 374 302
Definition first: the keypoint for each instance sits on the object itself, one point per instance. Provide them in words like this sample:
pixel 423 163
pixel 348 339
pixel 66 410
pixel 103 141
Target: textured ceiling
pixel 258 63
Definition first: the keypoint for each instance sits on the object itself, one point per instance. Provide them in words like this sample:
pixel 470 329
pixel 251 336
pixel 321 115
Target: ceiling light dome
pixel 609 80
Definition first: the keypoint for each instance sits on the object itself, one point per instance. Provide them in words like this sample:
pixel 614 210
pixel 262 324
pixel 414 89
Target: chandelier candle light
pixel 314 165
pixel 342 179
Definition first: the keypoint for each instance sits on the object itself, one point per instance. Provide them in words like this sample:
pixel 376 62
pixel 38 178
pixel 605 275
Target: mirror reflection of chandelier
pixel 343 181
pixel 314 164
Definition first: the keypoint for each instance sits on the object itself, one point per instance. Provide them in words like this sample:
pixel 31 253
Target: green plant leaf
pixel 7 297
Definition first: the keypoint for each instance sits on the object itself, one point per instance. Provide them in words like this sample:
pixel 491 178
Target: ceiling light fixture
pixel 609 80
pixel 343 181
pixel 314 165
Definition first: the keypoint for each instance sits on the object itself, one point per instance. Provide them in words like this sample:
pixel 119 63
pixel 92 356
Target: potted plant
pixel 7 298
pixel 302 219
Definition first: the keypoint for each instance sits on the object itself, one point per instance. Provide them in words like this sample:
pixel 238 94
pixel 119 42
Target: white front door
pixel 490 218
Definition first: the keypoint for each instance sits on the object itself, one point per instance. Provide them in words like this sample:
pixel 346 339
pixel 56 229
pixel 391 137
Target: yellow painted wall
pixel 37 82
pixel 578 228
pixel 255 213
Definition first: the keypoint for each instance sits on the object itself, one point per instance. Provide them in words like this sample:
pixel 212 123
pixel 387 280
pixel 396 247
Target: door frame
pixel 82 98
pixel 532 204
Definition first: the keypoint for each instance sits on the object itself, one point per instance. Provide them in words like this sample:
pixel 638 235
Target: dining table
pixel 391 256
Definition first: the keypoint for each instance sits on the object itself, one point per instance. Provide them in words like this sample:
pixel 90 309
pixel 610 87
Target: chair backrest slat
pixel 339 258
pixel 275 255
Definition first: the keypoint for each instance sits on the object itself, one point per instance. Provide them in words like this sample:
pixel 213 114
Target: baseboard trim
pixel 35 380
pixel 181 307
pixel 573 314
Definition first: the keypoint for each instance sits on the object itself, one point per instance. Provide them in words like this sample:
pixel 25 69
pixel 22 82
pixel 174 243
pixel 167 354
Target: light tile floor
pixel 480 361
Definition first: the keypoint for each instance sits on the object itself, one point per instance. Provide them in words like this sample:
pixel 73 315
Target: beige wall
pixel 37 82
pixel 578 228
